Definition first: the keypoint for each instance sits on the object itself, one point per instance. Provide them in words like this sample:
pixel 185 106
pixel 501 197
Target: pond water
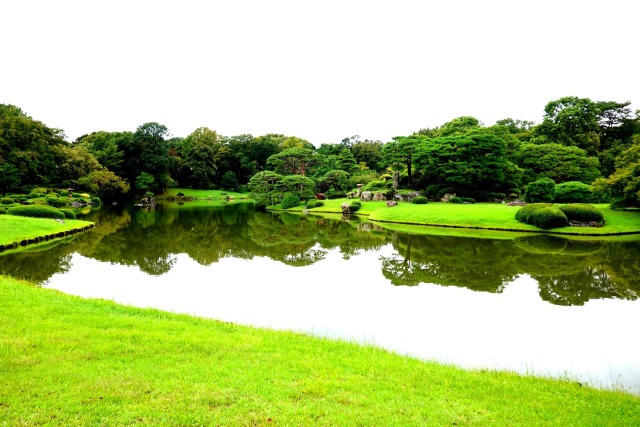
pixel 535 304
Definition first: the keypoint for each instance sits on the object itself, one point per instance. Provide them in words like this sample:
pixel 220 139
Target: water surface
pixel 538 304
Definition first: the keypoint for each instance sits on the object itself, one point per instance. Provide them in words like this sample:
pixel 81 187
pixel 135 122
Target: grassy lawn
pixel 492 216
pixel 18 228
pixel 69 361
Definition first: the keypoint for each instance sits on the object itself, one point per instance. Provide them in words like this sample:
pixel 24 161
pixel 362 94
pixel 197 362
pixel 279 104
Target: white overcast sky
pixel 319 70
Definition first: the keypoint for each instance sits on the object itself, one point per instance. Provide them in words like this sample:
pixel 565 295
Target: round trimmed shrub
pixel 419 200
pixel 523 214
pixel 290 201
pixel 311 204
pixel 581 212
pixel 549 217
pixel 354 206
pixel 319 203
pixel 457 200
pixel 36 211
pixel 181 194
pixel 54 201
pixel 95 201
pixel 540 191
pixel 6 201
pixel 573 192
pixel 68 213
pixel 469 200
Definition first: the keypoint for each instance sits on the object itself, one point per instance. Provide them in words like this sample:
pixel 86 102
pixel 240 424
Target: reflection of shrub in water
pixel 542 244
pixel 581 248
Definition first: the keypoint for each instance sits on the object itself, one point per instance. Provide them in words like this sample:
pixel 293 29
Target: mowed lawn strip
pixel 69 361
pixel 18 228
pixel 480 215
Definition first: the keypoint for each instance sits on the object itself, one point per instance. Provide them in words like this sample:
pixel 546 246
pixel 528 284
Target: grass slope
pixel 68 361
pixel 18 228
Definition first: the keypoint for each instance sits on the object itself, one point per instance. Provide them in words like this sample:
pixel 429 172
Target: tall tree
pixel 293 161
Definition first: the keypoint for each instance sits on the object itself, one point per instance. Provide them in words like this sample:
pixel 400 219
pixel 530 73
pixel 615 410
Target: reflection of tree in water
pixel 569 272
pixel 478 264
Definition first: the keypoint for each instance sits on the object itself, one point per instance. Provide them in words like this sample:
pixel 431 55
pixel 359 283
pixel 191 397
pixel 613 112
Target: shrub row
pixel 36 211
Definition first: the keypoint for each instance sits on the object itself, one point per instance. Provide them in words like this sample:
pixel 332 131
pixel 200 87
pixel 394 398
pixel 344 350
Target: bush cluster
pixel 54 201
pixel 573 192
pixel 456 200
pixel 581 212
pixel 6 201
pixel 542 215
pixel 419 200
pixel 36 211
pixel 470 200
pixel 355 206
pixel 290 201
pixel 95 201
pixel 68 213
pixel 540 191
pixel 376 185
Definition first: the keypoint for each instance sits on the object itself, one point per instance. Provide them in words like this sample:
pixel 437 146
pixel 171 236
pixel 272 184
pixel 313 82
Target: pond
pixel 536 304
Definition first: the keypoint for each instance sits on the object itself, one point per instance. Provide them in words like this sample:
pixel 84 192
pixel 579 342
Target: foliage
pixel 523 214
pixel 419 200
pixel 299 185
pixel 264 187
pixel 354 206
pixel 473 165
pixel 581 212
pixel 540 191
pixel 290 201
pixel 624 183
pixel 6 201
pixel 36 211
pixel 377 186
pixel 106 184
pixel 457 200
pixel 68 213
pixel 558 162
pixel 470 200
pixel 334 179
pixel 228 181
pixel 293 161
pixel 54 201
pixel 548 217
pixel 573 192
pixel 95 201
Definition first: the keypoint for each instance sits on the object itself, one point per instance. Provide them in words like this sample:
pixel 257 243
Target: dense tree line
pixel 594 143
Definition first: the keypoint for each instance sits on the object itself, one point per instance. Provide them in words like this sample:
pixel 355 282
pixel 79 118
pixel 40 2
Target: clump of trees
pixel 582 151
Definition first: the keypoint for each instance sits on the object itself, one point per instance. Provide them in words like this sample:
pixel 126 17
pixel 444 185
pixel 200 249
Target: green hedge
pixel 581 212
pixel 290 201
pixel 68 213
pixel 523 214
pixel 549 217
pixel 6 201
pixel 56 202
pixel 36 211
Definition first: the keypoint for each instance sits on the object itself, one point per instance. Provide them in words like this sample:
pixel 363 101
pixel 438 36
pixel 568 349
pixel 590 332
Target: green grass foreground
pixel 14 229
pixel 491 216
pixel 69 361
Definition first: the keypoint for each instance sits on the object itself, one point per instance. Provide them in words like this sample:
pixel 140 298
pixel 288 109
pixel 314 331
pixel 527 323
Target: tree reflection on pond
pixel 568 271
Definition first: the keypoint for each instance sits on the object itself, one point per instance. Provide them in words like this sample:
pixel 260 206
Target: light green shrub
pixel 36 211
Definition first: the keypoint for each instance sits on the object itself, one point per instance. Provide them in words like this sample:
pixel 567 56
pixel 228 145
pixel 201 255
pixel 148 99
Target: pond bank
pixel 129 362
pixel 16 231
pixel 479 216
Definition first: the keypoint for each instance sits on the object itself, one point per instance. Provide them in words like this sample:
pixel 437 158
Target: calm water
pixel 536 304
